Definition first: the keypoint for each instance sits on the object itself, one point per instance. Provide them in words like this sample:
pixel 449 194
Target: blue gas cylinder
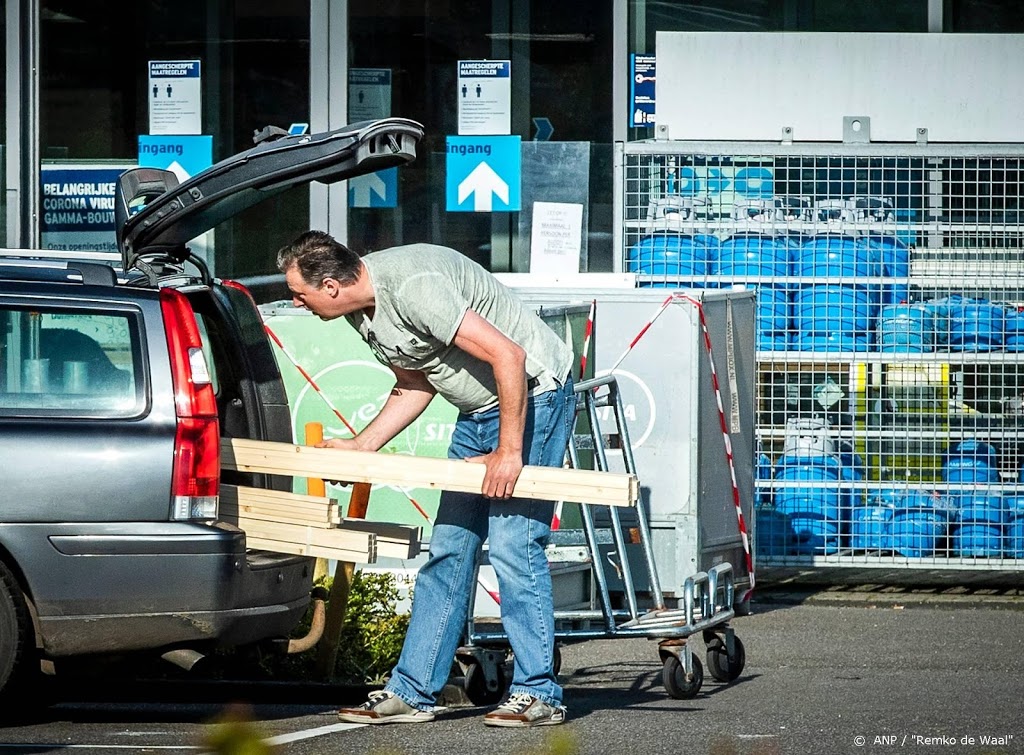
pixel 905 328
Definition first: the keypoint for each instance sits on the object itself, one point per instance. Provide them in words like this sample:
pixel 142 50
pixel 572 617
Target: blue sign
pixel 174 69
pixel 641 90
pixel 483 174
pixel 544 129
pixel 298 129
pixel 378 189
pixel 78 207
pixel 182 155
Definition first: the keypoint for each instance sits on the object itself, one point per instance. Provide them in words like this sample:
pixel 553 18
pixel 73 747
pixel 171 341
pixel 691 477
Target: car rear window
pixel 71 363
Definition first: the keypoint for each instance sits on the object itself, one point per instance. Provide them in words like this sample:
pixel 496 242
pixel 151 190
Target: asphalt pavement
pixel 829 669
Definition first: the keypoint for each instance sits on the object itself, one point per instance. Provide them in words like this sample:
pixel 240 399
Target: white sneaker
pixel 522 710
pixel 384 707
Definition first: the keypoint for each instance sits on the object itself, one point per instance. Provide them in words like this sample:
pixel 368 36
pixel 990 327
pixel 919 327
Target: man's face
pixel 327 301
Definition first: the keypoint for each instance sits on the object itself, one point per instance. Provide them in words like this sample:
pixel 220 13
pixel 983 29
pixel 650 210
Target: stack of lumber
pixel 312 525
pixel 305 525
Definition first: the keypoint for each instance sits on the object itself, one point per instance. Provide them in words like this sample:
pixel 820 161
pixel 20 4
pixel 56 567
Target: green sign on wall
pixel 351 379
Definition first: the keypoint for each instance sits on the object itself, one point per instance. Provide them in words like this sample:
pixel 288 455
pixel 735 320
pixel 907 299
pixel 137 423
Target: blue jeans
pixel 518 529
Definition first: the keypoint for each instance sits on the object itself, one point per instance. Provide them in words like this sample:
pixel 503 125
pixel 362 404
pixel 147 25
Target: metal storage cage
pixel 890 321
pixel 677 436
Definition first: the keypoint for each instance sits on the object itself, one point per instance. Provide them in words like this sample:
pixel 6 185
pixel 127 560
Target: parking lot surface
pixel 828 671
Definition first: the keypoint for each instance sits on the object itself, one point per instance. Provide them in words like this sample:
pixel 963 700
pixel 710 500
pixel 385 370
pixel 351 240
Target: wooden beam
pixel 393 540
pixel 546 483
pixel 364 543
pixel 301 549
pixel 239 503
pixel 278 505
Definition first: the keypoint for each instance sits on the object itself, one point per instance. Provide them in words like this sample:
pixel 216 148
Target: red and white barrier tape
pixel 741 522
pixel 492 591
pixel 586 338
pixel 309 379
pixel 643 330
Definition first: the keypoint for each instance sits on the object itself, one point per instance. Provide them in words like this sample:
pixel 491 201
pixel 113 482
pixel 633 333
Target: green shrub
pixel 372 637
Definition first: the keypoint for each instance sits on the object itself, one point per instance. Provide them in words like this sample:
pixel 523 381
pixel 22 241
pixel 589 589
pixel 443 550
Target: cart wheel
pixel 673 676
pixel 476 687
pixel 718 659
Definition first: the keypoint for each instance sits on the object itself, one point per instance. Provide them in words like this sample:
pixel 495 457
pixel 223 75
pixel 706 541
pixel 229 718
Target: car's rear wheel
pixel 17 648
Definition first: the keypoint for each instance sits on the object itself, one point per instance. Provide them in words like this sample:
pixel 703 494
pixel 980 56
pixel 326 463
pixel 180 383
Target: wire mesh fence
pixel 890 326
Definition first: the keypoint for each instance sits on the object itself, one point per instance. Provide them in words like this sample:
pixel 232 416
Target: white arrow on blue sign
pixel 483 174
pixel 378 189
pixel 481 184
pixel 182 155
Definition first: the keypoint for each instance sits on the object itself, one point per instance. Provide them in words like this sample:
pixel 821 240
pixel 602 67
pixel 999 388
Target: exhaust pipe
pixel 316 626
pixel 185 658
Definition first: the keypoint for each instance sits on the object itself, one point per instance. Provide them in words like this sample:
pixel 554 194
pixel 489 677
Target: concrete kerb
pixel 891 596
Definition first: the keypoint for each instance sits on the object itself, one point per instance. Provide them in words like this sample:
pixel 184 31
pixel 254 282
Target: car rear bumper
pixel 80 635
pixel 137 586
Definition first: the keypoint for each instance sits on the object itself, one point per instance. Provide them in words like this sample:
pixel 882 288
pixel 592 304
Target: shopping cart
pixel 707 600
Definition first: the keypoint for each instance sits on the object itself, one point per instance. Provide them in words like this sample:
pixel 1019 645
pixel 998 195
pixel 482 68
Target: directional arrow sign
pixel 483 173
pixel 177 169
pixel 544 129
pixel 482 183
pixel 184 155
pixel 378 189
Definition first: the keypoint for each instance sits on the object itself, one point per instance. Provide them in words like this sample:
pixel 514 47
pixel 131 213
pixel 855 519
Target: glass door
pixel 249 68
pixel 403 60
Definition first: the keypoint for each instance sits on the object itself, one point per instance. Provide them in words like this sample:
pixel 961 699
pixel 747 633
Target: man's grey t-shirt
pixel 422 292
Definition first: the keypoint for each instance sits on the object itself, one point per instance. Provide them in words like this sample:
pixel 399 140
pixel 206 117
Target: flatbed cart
pixel 707 601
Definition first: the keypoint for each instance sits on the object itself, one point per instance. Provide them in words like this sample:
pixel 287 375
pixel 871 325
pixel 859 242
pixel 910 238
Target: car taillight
pixel 196 476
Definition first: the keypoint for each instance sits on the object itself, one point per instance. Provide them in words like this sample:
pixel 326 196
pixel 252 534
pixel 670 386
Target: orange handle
pixel 315 434
pixel 359 500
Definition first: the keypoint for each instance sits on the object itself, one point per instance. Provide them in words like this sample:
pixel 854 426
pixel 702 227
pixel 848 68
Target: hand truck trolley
pixel 707 604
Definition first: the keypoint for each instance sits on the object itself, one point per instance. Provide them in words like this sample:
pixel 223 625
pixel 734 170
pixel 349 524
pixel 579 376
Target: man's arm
pixel 408 399
pixel 480 339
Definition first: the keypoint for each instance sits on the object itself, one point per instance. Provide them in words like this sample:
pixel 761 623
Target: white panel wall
pixel 748 86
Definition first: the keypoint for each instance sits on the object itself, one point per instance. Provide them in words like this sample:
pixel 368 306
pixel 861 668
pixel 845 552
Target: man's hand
pixel 503 470
pixel 348 444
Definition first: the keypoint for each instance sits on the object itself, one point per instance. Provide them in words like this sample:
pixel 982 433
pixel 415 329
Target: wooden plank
pixel 282 507
pixel 278 505
pixel 546 483
pixel 301 549
pixel 393 540
pixel 358 542
pixel 297 500
pixel 230 512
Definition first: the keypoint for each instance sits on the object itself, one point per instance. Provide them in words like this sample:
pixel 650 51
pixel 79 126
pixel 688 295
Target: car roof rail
pixel 113 259
pixel 89 273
